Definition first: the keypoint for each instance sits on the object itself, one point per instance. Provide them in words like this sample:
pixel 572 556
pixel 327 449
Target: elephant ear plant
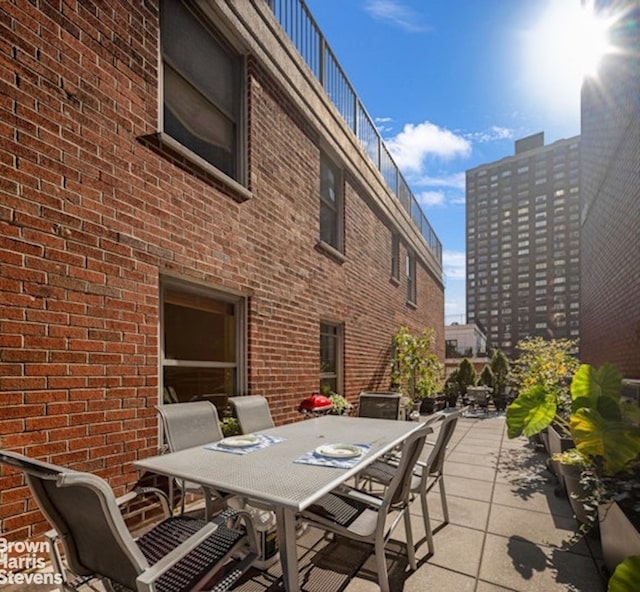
pixel 604 428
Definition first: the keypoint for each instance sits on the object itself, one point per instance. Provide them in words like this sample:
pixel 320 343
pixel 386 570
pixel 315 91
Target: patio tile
pixel 462 511
pixel 540 527
pixel 478 472
pixel 473 459
pixel 518 564
pixel 456 548
pixel 468 488
pixel 536 497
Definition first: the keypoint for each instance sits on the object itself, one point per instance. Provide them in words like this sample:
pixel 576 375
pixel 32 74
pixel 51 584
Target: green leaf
pixel 530 413
pixel 626 576
pixel 615 442
pixel 591 383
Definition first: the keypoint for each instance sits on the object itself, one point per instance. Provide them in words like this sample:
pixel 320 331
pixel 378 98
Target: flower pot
pixel 558 443
pixel 619 537
pixel 500 402
pixel 570 475
pixel 427 405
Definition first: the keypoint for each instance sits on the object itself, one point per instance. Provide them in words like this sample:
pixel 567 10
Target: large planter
pixel 427 406
pixel 619 537
pixel 500 402
pixel 570 475
pixel 557 443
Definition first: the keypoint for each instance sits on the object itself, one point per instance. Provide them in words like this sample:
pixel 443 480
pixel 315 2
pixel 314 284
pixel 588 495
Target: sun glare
pixel 565 46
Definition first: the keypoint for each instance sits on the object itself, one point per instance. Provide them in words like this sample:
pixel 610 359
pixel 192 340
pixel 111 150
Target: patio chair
pixel 252 413
pixel 178 554
pixel 187 425
pixel 383 405
pixel 361 516
pixel 426 474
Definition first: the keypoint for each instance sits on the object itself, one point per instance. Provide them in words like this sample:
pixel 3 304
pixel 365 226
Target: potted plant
pixel 452 389
pixel 606 431
pixel 466 375
pixel 500 368
pixel 575 475
pixel 542 373
pixel 416 369
pixel 339 404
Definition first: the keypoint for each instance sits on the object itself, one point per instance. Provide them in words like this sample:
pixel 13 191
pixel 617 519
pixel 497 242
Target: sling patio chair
pixel 252 413
pixel 426 474
pixel 187 425
pixel 178 554
pixel 361 516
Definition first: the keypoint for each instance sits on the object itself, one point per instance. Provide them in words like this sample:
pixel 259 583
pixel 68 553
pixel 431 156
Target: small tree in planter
pixel 486 377
pixel 452 389
pixel 416 370
pixel 541 373
pixel 500 367
pixel 466 375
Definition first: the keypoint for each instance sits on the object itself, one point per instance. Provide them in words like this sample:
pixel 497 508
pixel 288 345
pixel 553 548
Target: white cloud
pixel 493 134
pixel 454 264
pixel 453 180
pixel 395 13
pixel 430 198
pixel 415 142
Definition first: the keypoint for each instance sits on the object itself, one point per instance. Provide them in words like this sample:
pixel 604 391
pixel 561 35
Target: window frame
pixel 411 270
pixel 238 181
pixel 240 304
pixel 395 258
pixel 336 206
pixel 338 335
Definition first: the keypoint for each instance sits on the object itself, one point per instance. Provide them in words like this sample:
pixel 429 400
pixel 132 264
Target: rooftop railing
pixel 297 21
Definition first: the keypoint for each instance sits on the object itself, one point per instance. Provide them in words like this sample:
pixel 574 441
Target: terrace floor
pixel 508 531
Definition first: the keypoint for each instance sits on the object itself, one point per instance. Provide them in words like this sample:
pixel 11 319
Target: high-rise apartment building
pixel 523 242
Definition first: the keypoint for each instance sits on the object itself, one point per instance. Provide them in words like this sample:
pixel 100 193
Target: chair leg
pixel 443 498
pixel 381 562
pixel 411 552
pixel 171 495
pixel 427 521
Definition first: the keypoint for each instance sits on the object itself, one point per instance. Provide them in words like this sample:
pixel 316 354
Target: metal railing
pixel 297 21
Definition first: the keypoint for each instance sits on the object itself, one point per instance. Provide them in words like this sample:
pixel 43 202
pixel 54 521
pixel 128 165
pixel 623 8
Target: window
pixel 202 345
pixel 330 358
pixel 330 204
pixel 411 278
pixel 395 256
pixel 201 86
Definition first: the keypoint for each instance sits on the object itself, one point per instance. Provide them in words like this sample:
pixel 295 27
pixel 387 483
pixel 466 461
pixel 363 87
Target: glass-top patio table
pixel 273 474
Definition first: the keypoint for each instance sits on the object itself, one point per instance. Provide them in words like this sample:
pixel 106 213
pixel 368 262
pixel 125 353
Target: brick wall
pixel 91 217
pixel 610 252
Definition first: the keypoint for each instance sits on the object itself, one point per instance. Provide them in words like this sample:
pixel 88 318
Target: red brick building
pixel 184 213
pixel 610 216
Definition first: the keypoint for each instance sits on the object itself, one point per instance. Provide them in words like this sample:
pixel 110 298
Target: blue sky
pixel 451 85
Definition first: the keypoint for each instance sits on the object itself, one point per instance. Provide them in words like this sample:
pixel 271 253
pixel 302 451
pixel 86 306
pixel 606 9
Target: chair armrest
pixel 131 495
pixel 362 496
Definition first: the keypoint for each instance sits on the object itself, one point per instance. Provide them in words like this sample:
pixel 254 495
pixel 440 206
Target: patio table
pixel 271 475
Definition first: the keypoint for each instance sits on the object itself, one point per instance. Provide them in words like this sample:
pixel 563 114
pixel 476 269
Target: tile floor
pixel 508 530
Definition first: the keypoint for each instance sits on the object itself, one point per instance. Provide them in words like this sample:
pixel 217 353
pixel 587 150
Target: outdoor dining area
pixel 352 502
